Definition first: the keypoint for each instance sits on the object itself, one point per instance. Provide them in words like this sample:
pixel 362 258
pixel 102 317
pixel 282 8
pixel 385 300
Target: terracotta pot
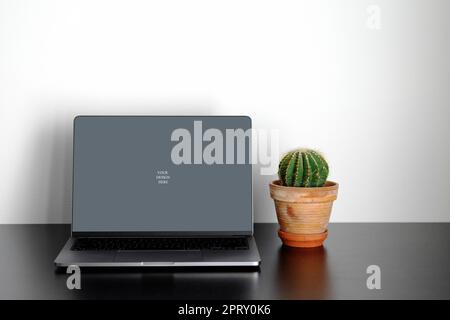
pixel 303 213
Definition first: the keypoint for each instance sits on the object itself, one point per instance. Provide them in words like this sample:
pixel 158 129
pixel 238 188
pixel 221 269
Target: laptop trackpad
pixel 158 256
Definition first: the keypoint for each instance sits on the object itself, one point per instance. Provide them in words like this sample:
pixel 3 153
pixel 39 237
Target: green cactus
pixel 303 168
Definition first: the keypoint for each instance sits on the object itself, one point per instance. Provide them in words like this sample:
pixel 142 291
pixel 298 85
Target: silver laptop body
pixel 161 191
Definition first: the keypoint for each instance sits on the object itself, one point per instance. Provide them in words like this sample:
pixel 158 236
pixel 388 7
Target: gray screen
pixel 125 180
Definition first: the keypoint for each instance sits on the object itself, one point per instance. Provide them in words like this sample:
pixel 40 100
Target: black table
pixel 414 261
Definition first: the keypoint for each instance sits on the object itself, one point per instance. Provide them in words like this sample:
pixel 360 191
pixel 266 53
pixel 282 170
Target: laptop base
pixel 159 258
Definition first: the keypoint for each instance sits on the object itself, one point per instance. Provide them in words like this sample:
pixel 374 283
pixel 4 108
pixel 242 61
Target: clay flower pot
pixel 303 213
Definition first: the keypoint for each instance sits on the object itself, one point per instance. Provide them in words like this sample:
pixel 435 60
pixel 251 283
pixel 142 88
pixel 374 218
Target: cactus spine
pixel 303 168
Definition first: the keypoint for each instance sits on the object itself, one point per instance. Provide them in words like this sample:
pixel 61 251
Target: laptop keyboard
pixel 82 244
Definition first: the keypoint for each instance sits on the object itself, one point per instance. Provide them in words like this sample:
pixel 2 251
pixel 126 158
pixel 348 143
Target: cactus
pixel 303 168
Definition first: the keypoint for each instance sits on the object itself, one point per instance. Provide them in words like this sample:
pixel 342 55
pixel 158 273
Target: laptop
pixel 161 191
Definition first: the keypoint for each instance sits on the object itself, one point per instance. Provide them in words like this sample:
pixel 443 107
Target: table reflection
pixel 168 284
pixel 303 273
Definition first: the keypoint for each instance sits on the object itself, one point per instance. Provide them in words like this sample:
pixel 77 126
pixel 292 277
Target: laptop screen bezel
pixel 159 233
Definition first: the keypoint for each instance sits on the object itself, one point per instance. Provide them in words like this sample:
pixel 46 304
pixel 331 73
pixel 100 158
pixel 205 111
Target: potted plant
pixel 303 198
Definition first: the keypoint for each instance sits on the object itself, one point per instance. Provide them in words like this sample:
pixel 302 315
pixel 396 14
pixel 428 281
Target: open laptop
pixel 161 191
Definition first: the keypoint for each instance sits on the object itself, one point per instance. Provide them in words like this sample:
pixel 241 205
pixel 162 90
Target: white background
pixel 375 102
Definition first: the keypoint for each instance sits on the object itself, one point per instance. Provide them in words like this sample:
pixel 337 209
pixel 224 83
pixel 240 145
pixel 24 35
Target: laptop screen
pixel 162 174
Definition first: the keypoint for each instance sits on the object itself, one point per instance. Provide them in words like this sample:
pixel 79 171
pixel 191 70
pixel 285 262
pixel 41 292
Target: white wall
pixel 375 102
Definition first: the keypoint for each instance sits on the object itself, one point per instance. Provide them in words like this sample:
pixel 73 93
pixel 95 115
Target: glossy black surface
pixel 414 261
